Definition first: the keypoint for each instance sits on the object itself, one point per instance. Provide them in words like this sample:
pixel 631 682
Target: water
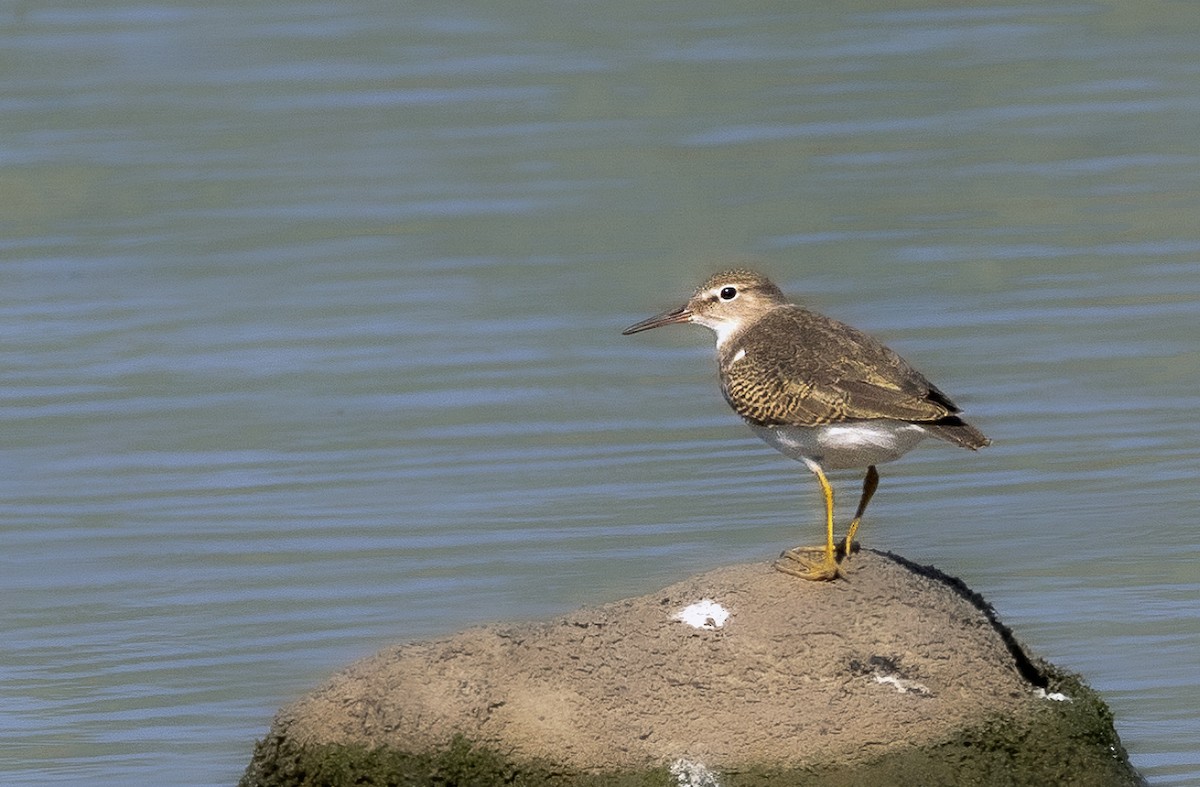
pixel 311 314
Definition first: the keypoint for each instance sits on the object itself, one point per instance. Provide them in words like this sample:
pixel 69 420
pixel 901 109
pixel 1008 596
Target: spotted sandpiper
pixel 818 391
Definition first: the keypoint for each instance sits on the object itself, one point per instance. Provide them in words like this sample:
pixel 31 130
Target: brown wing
pixel 801 368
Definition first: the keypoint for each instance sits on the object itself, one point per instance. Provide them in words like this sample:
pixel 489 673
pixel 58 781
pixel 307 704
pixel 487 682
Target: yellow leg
pixel 797 561
pixel 870 484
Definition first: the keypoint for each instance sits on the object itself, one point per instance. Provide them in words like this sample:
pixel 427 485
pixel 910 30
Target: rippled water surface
pixel 310 334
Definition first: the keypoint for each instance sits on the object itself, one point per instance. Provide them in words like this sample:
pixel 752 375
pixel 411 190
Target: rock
pixel 896 674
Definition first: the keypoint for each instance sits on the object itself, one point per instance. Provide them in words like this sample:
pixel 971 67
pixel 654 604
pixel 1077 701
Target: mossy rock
pixel 897 674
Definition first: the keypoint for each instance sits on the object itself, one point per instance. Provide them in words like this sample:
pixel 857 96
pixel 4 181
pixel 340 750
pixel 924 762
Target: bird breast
pixel 844 445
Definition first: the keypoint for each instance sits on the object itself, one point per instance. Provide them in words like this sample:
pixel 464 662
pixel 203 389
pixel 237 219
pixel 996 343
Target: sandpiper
pixel 818 391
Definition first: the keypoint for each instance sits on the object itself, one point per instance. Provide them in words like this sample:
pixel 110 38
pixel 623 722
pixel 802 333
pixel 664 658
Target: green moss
pixel 279 763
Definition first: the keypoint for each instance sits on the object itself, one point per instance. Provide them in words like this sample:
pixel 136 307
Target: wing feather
pixel 801 368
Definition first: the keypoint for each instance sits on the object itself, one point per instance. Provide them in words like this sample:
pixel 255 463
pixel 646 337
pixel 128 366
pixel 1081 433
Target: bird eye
pixel 728 293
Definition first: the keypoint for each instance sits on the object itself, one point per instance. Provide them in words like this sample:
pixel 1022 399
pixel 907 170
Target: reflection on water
pixel 312 316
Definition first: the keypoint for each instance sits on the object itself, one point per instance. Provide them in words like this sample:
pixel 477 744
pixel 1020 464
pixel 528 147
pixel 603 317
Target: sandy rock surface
pixel 799 673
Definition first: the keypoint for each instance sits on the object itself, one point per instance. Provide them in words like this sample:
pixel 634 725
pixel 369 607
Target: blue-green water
pixel 310 314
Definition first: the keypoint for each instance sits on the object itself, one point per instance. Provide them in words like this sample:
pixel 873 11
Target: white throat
pixel 724 328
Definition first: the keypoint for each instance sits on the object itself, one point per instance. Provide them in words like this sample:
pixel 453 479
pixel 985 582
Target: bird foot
pixel 817 564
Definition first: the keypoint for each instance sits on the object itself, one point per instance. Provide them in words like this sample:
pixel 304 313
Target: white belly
pixel 840 446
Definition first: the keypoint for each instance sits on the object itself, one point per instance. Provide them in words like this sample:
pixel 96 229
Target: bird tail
pixel 955 430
